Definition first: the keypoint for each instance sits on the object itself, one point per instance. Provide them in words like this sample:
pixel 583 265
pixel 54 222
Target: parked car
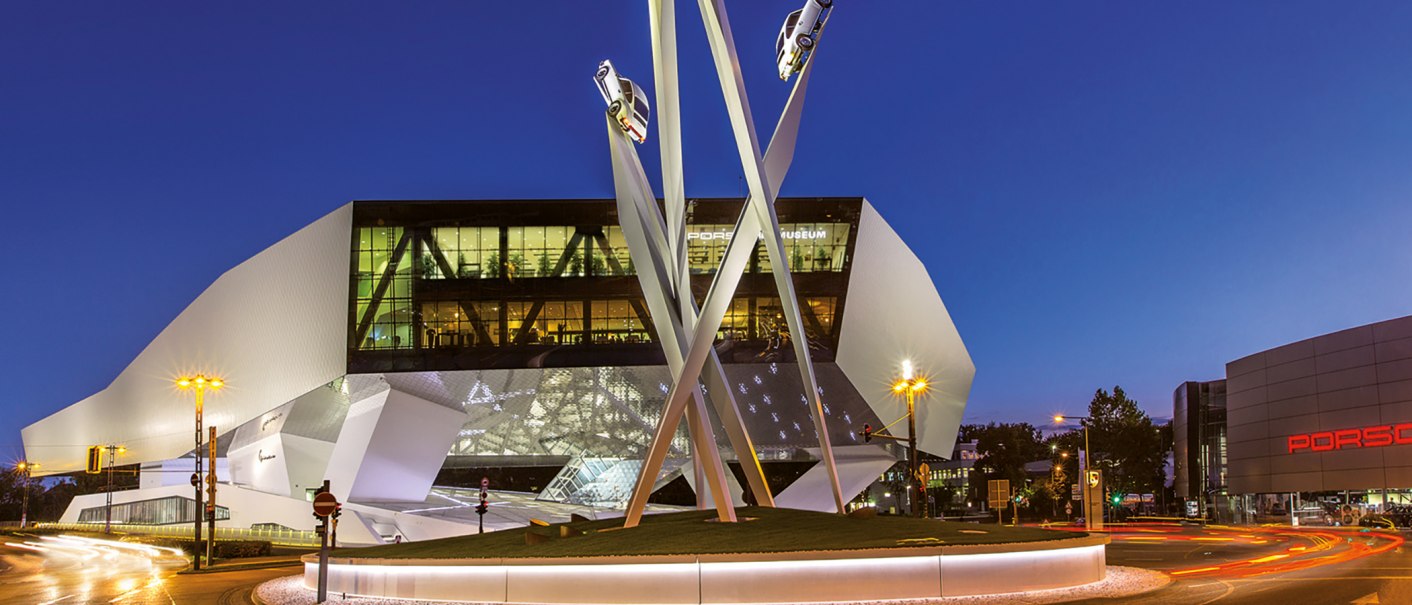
pixel 799 35
pixel 626 102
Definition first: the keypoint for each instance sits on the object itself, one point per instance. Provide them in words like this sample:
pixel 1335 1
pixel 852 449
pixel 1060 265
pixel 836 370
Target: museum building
pixel 402 350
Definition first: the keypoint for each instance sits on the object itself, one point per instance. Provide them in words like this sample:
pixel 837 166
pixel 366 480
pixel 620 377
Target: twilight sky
pixel 1104 193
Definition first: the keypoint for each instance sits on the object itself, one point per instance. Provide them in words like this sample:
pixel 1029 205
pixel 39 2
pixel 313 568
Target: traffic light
pixel 95 460
pixel 1116 499
pixel 867 433
pixel 482 507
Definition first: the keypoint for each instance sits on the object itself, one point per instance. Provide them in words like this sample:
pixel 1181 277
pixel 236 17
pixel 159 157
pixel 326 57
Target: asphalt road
pixel 1266 565
pixel 1221 566
pixel 58 572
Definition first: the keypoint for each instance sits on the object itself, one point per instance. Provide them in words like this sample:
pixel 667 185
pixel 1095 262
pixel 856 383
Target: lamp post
pixel 1084 463
pixel 911 386
pixel 27 468
pixel 198 383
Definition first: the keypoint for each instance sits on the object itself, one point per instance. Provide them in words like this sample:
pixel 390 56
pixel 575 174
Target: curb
pixel 222 569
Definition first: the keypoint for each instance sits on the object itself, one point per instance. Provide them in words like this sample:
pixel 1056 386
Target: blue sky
pixel 1104 193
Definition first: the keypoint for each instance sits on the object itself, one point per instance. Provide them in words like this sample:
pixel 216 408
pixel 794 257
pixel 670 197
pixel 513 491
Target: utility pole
pixel 108 510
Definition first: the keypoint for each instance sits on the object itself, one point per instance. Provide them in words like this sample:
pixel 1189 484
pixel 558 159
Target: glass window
pixel 616 321
pixel 158 511
pixel 808 247
pixel 557 322
pixel 382 291
pixel 471 252
pixel 706 247
pixel 818 315
pixel 618 246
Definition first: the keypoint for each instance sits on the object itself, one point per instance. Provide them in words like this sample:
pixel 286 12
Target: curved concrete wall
pixel 817 578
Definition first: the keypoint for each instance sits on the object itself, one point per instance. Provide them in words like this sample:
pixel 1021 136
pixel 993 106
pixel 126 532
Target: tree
pixel 1004 449
pixel 1127 445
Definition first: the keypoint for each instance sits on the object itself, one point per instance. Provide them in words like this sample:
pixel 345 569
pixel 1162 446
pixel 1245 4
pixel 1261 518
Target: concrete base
pixel 801 577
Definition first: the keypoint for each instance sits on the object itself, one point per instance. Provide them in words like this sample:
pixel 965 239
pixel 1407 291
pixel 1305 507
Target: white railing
pixel 281 537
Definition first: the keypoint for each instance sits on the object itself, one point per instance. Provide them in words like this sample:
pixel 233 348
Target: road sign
pixel 1077 491
pixel 484 482
pixel 998 493
pixel 195 479
pixel 324 504
pixel 923 472
pixel 95 460
pixel 1068 508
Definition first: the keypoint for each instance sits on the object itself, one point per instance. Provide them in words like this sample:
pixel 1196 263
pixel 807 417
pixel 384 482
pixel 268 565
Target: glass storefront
pixel 158 511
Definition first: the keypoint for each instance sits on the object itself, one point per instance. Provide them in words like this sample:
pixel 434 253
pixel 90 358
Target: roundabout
pixel 770 556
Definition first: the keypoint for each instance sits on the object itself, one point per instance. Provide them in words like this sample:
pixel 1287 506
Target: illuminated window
pixel 556 322
pixel 617 321
pixel 382 306
pixel 470 253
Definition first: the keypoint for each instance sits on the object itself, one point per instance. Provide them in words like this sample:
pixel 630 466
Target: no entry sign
pixel 325 504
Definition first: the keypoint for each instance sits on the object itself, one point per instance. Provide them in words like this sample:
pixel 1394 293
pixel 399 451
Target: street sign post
pixel 998 496
pixel 211 498
pixel 1093 501
pixel 325 506
pixel 483 506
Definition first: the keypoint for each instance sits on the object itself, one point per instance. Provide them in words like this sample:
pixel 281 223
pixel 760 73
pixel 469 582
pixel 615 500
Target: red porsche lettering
pixel 1402 433
pixel 1328 441
pixel 1342 439
pixel 1377 436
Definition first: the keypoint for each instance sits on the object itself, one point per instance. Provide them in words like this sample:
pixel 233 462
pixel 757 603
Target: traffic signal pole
pixel 211 499
pixel 916 494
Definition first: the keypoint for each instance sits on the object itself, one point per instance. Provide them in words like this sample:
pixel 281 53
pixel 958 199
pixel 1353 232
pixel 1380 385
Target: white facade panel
pixel 391 448
pixel 274 327
pixel 893 312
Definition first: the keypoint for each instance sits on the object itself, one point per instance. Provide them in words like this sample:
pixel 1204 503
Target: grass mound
pixel 696 532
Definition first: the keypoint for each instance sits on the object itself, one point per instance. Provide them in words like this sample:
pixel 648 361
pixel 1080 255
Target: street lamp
pixel 911 386
pixel 199 383
pixel 27 468
pixel 1083 462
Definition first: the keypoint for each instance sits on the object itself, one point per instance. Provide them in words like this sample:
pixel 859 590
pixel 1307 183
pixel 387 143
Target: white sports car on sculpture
pixel 798 36
pixel 625 100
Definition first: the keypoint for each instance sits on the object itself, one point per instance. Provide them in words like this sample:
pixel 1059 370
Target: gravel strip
pixel 1121 582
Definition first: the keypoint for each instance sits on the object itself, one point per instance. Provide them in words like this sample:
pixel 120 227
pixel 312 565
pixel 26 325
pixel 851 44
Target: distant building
pixel 1199 447
pixel 404 350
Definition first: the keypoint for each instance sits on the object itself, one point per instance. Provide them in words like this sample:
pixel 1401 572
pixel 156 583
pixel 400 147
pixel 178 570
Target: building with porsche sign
pixel 1319 430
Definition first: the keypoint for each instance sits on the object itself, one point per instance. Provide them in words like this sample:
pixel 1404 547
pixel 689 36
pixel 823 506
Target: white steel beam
pixel 762 193
pixel 664 57
pixel 748 229
pixel 643 232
